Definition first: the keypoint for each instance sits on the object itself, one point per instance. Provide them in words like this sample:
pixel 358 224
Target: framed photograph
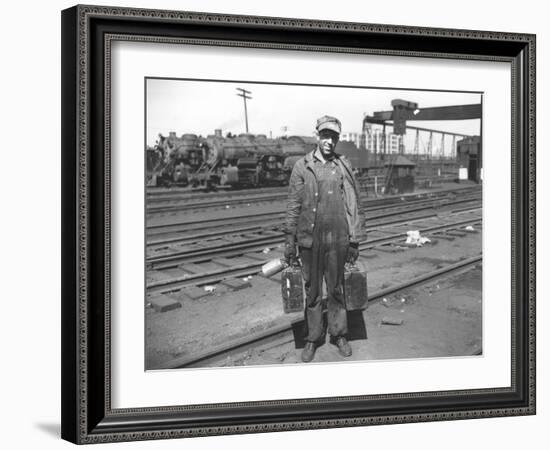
pixel 281 224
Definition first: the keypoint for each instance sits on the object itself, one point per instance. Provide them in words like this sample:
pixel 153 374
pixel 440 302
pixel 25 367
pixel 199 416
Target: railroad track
pixel 282 335
pixel 250 238
pixel 240 259
pixel 177 225
pixel 271 226
pixel 183 194
pixel 157 206
pixel 217 203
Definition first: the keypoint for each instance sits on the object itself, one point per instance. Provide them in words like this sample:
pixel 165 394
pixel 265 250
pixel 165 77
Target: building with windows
pixel 357 138
pixel 373 140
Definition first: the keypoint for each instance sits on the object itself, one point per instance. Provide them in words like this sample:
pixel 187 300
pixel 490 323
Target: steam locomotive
pixel 243 160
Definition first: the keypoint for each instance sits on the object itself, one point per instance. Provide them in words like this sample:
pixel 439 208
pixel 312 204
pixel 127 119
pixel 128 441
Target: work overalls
pixel 327 255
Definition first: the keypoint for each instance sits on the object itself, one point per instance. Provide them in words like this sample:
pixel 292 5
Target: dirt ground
pixel 441 318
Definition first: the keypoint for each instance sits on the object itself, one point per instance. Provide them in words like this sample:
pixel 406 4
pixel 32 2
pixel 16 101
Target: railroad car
pixel 243 160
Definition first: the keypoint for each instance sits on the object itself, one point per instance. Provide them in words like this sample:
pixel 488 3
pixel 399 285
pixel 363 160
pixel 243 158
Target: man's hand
pixel 290 249
pixel 353 252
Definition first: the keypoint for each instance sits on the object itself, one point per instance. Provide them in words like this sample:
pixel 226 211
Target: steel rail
pixel 176 194
pixel 283 331
pixel 206 204
pixel 196 205
pixel 392 210
pixel 252 268
pixel 401 216
pixel 254 244
pixel 213 203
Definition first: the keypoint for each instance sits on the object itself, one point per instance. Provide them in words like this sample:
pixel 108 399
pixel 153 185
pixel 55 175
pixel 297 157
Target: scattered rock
pixel 391 321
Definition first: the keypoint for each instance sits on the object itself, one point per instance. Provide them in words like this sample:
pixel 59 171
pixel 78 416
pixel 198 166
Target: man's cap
pixel 329 123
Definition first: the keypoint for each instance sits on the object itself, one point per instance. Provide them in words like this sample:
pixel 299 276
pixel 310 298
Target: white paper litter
pixel 266 250
pixel 469 228
pixel 209 288
pixel 414 238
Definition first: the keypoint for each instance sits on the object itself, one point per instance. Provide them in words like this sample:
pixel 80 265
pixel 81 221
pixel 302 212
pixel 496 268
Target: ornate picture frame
pixel 88 415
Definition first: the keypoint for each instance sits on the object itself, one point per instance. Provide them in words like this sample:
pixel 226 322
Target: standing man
pixel 323 219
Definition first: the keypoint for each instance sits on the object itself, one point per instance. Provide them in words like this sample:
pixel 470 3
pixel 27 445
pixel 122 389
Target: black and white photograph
pixel 305 223
pixel 273 224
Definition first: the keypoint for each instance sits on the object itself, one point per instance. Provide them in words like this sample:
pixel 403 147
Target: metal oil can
pixel 272 267
pixel 292 289
pixel 355 287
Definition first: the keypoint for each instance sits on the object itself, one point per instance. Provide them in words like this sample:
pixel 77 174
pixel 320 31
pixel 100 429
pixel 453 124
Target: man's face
pixel 327 141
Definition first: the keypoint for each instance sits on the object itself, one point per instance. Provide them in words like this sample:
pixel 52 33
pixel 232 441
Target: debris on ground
pixel 235 284
pixel 414 238
pixel 209 288
pixel 391 321
pixel 163 303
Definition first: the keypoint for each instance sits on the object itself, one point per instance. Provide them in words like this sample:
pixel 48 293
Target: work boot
pixel 343 346
pixel 308 352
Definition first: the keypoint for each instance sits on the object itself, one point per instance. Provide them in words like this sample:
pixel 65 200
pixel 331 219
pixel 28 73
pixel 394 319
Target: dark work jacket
pixel 303 199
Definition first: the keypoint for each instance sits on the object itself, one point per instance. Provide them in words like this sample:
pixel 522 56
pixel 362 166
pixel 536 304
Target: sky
pixel 200 107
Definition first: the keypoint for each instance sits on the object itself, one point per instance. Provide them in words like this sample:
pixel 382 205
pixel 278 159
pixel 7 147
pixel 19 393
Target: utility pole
pixel 416 145
pixel 453 149
pixel 244 94
pixel 383 142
